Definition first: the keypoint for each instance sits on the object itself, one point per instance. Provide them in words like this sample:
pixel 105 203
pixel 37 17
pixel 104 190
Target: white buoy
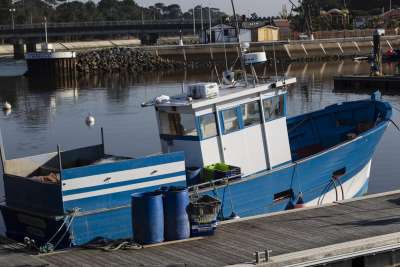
pixel 90 120
pixel 7 106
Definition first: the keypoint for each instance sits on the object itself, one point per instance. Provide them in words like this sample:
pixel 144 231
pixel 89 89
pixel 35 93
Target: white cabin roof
pixel 228 93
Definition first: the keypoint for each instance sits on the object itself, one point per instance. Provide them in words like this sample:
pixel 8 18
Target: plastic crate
pixel 220 171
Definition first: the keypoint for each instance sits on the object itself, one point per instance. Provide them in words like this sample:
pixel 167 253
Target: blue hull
pixel 255 195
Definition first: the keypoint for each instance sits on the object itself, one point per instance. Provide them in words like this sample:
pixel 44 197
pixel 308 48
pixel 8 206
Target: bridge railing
pixel 100 23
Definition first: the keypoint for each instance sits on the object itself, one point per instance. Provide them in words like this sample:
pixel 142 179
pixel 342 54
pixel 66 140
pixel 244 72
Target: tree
pixel 173 11
pixel 254 16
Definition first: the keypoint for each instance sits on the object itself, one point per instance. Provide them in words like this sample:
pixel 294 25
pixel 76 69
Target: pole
pixel 202 21
pixel 236 21
pixel 209 20
pixel 45 29
pixel 238 39
pixel 194 21
pixel 12 10
pixel 12 19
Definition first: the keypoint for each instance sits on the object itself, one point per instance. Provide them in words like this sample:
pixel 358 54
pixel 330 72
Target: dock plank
pixel 236 241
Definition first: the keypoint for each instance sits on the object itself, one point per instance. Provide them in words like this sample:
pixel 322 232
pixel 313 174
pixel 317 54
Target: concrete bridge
pixel 146 30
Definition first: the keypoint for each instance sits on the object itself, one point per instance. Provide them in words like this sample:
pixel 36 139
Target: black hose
pixel 341 187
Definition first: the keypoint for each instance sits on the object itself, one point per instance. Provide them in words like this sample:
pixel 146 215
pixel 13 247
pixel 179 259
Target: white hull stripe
pixel 122 176
pixel 351 187
pixel 132 187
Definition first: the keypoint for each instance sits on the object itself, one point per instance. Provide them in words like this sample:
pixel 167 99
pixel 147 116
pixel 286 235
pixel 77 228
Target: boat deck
pixel 333 230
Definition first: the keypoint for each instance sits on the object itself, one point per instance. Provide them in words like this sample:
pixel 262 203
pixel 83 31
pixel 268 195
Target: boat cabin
pixel 242 125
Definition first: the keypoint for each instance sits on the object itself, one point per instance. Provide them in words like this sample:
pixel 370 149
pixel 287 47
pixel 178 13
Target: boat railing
pixel 194 189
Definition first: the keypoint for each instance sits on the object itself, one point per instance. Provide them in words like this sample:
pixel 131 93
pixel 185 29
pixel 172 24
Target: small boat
pixel 233 141
pixel 391 55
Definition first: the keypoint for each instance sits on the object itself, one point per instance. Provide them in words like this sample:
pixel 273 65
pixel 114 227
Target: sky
pixel 261 7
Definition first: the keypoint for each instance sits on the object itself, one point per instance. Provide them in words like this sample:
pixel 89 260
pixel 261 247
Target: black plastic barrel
pixel 148 218
pixel 176 219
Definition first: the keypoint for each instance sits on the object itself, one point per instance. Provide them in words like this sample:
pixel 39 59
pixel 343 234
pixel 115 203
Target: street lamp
pixel 12 11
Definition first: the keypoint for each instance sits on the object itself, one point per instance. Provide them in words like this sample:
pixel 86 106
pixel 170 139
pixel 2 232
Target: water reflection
pixel 50 112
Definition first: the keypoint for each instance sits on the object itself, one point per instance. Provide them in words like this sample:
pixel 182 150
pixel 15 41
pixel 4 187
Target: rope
pixel 341 186
pixel 323 193
pixel 108 245
pixel 230 198
pixel 395 125
pixel 298 125
pixel 397 108
pixel 66 231
pixel 48 246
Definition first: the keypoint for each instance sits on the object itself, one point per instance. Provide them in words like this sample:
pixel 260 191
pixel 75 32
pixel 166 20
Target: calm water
pixel 49 113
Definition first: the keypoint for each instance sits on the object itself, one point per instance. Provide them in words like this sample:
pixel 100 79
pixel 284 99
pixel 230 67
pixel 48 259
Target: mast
pixel 238 38
pixel 236 22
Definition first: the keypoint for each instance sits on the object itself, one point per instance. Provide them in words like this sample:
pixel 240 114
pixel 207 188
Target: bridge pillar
pixel 19 49
pixel 30 47
pixel 148 39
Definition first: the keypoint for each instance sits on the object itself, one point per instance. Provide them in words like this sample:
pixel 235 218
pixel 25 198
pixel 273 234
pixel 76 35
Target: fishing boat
pixel 274 162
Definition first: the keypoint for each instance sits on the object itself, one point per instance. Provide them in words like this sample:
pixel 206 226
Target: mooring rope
pixel 112 245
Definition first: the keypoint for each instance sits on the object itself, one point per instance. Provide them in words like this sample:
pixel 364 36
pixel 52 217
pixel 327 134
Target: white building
pixel 223 33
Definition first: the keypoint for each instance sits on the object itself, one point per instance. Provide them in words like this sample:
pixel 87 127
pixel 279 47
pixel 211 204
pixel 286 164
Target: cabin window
pixel 177 124
pixel 230 120
pixel 251 114
pixel 208 125
pixel 273 107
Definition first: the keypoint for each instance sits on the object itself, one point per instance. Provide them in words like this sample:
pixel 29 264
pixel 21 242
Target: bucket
pixel 203 215
pixel 176 218
pixel 148 218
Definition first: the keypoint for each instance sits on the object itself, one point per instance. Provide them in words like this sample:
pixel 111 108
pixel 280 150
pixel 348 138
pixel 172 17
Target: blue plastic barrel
pixel 148 218
pixel 176 218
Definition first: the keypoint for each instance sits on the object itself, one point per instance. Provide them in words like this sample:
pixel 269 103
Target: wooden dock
pixel 366 83
pixel 353 232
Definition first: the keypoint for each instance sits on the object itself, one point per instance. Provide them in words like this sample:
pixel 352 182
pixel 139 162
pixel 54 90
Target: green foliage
pixel 310 10
pixel 33 11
